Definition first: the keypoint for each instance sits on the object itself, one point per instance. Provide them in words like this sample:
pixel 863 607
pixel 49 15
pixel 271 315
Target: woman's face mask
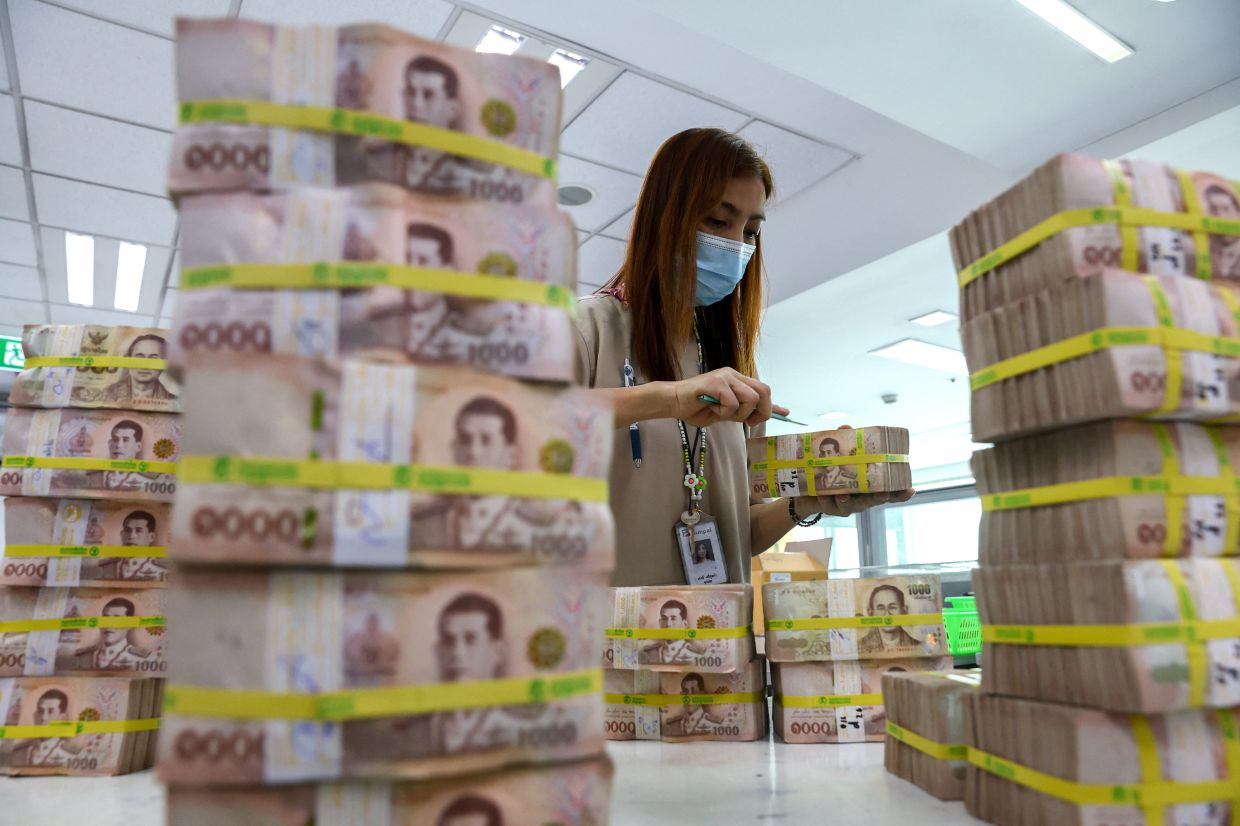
pixel 721 264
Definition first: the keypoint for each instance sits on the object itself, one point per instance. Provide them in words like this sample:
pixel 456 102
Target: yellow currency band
pixel 381 701
pixel 820 623
pixel 74 623
pixel 1122 216
pixel 106 551
pixel 684 699
pixel 74 463
pixel 772 465
pixel 830 461
pixel 1113 636
pixel 135 362
pixel 322 275
pixel 827 700
pixel 268 472
pixel 72 729
pixel 1144 794
pixel 367 124
pixel 937 750
pixel 1173 338
pixel 1108 486
pixel 678 633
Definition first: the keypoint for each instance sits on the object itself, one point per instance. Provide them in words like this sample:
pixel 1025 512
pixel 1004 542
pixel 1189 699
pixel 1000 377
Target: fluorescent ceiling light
pixel 934 319
pixel 570 65
pixel 924 354
pixel 832 416
pixel 80 267
pixel 129 268
pixel 1079 27
pixel 499 40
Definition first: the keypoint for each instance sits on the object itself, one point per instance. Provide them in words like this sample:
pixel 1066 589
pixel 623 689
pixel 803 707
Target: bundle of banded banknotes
pixel 831 640
pixel 375 338
pixel 90 450
pixel 847 460
pixel 681 665
pixel 928 719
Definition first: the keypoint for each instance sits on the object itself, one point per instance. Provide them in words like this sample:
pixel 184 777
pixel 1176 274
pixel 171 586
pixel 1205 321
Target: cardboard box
pixel 802 560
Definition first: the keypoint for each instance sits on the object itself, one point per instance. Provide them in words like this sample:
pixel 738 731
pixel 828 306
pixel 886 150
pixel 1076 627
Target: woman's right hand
pixel 741 399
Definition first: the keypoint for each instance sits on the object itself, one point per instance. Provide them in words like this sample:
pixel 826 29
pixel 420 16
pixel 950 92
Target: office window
pixel 942 529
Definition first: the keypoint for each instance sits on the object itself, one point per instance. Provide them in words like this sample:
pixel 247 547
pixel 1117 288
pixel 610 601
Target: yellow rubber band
pixel 1175 366
pixel 1090 216
pixel 266 472
pixel 1113 636
pixel 820 623
pixel 104 551
pixel 937 750
pixel 1147 758
pixel 367 124
pixel 831 461
pixel 683 699
pixel 828 700
pixel 67 463
pixel 72 729
pixel 343 275
pixel 74 623
pixel 381 701
pixel 1129 240
pixel 1174 505
pixel 678 633
pixel 1231 501
pixel 1107 487
pixel 134 362
pixel 1198 662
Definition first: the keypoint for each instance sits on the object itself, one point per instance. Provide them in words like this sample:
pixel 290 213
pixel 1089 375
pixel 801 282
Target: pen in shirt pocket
pixel 635 434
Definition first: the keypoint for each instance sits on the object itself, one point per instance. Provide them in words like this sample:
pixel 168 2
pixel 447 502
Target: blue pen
pixel 635 434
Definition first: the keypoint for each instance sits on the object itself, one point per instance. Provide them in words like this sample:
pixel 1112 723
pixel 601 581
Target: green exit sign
pixel 12 357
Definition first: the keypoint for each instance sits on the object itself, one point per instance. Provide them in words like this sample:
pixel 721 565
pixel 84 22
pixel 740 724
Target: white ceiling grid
pixel 97 127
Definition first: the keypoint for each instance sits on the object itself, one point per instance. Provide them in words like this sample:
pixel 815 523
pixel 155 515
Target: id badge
pixel 701 552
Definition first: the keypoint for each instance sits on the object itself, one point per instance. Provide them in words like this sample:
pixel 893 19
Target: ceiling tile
pixel 10 148
pixel 795 162
pixel 613 192
pixel 422 17
pixel 156 15
pixel 77 314
pixel 598 260
pixel 20 282
pixel 97 209
pixel 123 73
pixel 609 131
pixel 17 243
pixel 13 194
pixel 118 154
pixel 17 312
pixel 619 228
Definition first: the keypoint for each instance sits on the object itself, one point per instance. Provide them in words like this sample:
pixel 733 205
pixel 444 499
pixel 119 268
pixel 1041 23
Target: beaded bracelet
pixel 804 523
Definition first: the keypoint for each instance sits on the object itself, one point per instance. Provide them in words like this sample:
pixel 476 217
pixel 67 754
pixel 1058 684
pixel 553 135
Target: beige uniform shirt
pixel 648 501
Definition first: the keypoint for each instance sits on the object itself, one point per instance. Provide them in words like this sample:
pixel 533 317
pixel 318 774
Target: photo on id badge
pixel 701 552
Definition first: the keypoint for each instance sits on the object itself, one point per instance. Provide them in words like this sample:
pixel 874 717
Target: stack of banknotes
pixel 682 666
pixel 374 276
pixel 847 460
pixel 90 450
pixel 928 715
pixel 1101 303
pixel 831 641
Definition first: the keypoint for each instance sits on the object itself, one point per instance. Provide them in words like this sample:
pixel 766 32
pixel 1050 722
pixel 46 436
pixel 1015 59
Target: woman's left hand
pixel 846 504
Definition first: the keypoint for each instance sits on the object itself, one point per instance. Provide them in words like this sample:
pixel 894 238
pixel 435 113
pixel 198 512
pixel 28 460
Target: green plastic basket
pixel 964 631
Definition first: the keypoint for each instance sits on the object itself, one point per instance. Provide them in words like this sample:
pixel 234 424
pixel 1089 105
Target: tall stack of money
pixel 393 535
pixel 90 449
pixel 681 665
pixel 831 641
pixel 1109 589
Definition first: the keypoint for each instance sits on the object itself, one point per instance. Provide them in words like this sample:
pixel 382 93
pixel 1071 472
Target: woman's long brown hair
pixel 686 181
